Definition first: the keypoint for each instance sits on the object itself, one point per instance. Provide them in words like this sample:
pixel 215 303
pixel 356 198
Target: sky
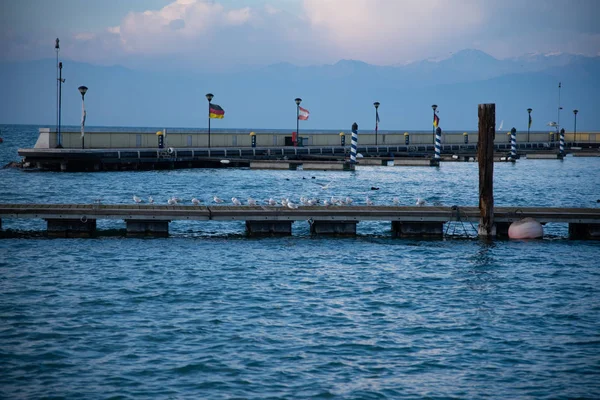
pixel 223 35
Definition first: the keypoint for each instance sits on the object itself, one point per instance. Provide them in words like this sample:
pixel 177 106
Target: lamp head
pixel 298 100
pixel 209 97
pixel 57 46
pixel 376 104
pixel 434 107
pixel 575 112
pixel 83 90
pixel 529 110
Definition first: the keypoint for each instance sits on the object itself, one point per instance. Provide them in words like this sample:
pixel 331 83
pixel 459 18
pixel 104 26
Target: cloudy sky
pixel 225 34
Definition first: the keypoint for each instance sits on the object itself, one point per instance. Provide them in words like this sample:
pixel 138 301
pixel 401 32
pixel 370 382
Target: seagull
pixel 195 201
pixel 325 203
pixel 551 123
pixel 396 201
pixel 251 201
pixel 420 202
pixel 150 200
pixel 235 201
pixel 272 202
pixel 348 200
pixel 217 200
pixel 369 201
pixel 292 205
pixel 324 186
pixel 137 199
pixel 171 201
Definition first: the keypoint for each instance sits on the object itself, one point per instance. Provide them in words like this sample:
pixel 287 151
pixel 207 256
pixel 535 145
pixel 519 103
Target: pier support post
pixel 485 156
pixel 269 228
pixel 584 231
pixel 418 229
pixel 341 228
pixel 71 228
pixel 141 227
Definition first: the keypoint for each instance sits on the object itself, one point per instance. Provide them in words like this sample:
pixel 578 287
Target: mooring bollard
pixel 466 137
pixel 551 135
pixel 562 142
pixel 354 143
pixel 253 139
pixel 438 143
pixel 513 143
pixel 406 138
pixel 342 139
pixel 161 139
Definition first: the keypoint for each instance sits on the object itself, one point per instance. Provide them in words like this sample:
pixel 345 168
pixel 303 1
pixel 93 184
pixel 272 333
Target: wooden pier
pixel 79 220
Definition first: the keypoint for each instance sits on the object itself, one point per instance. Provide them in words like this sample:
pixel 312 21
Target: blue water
pixel 209 313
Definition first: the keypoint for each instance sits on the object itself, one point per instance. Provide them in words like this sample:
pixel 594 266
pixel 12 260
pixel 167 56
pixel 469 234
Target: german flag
pixel 436 120
pixel 215 111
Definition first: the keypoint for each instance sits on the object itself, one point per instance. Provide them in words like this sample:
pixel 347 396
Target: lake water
pixel 210 313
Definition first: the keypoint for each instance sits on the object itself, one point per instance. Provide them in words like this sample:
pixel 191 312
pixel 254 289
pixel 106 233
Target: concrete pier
pixel 71 228
pixel 545 156
pixel 140 227
pixel 338 228
pixel 417 229
pixel 584 231
pixel 416 162
pixel 269 228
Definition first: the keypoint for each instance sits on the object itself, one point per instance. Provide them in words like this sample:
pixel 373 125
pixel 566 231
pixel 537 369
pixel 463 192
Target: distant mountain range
pixel 336 95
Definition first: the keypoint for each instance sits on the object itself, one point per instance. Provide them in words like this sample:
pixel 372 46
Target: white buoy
pixel 225 161
pixel 527 228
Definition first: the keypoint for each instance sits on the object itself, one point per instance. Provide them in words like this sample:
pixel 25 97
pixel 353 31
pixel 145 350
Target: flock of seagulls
pixel 284 202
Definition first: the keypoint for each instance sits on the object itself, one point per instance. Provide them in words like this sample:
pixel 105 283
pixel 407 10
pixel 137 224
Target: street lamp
pixel 298 100
pixel 376 104
pixel 83 91
pixel 529 110
pixel 434 107
pixel 59 82
pixel 559 107
pixel 575 127
pixel 209 97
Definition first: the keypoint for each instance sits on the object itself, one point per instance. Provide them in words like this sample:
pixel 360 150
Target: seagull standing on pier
pixel 150 200
pixel 171 202
pixel 235 201
pixel 251 201
pixel 137 199
pixel 421 202
pixel 195 201
pixel 217 200
pixel 369 201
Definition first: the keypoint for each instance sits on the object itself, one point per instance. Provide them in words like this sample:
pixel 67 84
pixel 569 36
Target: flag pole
pixel 209 97
pixel 434 107
pixel 376 104
pixel 298 100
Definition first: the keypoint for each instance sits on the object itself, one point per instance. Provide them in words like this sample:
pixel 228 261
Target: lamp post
pixel 434 107
pixel 209 97
pixel 575 126
pixel 559 108
pixel 376 104
pixel 298 100
pixel 83 90
pixel 59 82
pixel 529 110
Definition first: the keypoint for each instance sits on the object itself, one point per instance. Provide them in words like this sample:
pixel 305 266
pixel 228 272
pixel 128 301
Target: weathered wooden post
pixel 485 155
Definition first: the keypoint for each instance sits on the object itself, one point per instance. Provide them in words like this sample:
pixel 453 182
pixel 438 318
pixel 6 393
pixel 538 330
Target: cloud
pixel 387 31
pixel 219 34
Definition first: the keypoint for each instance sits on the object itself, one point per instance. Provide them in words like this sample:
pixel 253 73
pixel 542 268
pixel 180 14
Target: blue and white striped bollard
pixel 562 142
pixel 354 144
pixel 513 144
pixel 438 143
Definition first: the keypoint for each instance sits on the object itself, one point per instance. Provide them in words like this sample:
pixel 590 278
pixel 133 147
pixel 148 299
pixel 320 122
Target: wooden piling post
pixel 485 155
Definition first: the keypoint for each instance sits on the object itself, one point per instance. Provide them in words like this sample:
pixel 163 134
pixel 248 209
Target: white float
pixel 527 228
